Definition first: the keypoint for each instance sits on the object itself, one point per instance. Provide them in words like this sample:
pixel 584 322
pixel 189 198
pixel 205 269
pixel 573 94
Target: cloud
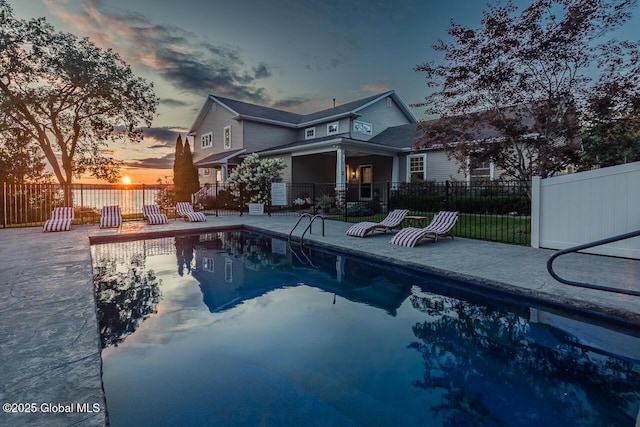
pixel 290 103
pixel 174 54
pixel 375 88
pixel 174 103
pixel 166 135
pixel 165 162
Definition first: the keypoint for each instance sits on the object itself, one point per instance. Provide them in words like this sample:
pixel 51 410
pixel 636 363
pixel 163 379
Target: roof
pixel 398 136
pixel 258 113
pixel 219 157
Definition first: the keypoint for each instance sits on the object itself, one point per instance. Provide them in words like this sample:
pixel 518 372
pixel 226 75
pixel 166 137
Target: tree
pixel 523 79
pixel 191 179
pixel 254 177
pixel 70 96
pixel 178 175
pixel 185 174
pixel 21 160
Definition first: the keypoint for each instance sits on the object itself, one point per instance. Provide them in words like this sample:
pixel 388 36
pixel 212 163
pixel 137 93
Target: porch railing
pixel 497 211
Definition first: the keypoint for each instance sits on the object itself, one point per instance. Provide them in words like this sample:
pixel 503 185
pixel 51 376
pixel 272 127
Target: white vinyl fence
pixel 583 207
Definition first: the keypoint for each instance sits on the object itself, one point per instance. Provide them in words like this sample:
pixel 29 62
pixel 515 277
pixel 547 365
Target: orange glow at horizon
pixel 126 180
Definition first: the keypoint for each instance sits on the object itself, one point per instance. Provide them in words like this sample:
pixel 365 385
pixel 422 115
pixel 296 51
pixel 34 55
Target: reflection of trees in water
pixel 491 372
pixel 255 251
pixel 124 298
pixel 184 252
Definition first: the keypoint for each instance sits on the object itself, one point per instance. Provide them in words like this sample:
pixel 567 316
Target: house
pixel 364 141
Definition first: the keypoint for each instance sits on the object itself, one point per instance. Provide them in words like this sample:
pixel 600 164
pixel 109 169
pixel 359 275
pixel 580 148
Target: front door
pixel 366 178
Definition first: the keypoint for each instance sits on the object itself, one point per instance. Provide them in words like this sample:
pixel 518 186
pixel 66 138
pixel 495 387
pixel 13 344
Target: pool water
pixel 236 328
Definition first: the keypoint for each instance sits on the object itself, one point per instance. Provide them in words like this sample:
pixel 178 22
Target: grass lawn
pixel 496 228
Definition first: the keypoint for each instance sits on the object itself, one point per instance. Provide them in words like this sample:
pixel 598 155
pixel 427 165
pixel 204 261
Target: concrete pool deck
pixel 49 342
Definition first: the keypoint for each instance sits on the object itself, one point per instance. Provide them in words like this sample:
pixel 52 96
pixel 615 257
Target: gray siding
pixel 321 129
pixel 215 121
pixel 260 136
pixel 381 117
pixel 440 169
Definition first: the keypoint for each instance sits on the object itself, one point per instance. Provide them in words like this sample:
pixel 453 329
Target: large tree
pixel 70 96
pixel 514 90
pixel 21 160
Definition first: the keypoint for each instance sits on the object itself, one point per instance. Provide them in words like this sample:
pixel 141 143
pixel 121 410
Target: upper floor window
pixel 416 167
pixel 227 137
pixel 309 133
pixel 362 127
pixel 333 128
pixel 206 140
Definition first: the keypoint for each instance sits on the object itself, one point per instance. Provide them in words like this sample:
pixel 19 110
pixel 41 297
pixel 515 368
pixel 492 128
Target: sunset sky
pixel 294 55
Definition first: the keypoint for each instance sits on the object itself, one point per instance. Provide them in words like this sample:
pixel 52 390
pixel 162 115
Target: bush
pixel 359 209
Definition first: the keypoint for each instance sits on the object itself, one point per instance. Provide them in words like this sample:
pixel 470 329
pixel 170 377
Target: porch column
pixel 395 171
pixel 340 168
pixel 223 173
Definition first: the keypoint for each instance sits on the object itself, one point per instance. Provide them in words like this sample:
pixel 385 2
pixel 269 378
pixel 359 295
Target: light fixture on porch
pixel 354 174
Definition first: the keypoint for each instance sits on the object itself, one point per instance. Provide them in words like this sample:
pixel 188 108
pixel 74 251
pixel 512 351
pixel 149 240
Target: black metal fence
pixel 497 211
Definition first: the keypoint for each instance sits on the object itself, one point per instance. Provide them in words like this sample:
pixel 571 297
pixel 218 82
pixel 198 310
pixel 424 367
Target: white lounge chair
pixel 185 210
pixel 153 215
pixel 441 226
pixel 110 216
pixel 61 219
pixel 392 221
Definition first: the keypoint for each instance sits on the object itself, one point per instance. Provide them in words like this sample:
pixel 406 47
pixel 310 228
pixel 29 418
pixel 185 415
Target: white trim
pixel 209 141
pixel 333 128
pixel 226 142
pixel 424 166
pixel 313 133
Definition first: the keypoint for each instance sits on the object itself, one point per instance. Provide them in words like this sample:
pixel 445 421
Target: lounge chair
pixel 110 216
pixel 61 219
pixel 153 215
pixel 441 226
pixel 392 221
pixel 185 210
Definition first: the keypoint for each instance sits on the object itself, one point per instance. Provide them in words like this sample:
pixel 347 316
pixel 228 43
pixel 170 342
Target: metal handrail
pixel 311 220
pixel 304 215
pixel 591 245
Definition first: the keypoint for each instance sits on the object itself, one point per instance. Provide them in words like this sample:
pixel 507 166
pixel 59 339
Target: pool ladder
pixel 311 220
pixel 591 245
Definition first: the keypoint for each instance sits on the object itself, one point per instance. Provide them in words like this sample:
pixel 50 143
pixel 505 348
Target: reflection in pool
pixel 235 328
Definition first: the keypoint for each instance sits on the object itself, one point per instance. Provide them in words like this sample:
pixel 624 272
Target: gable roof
pixel 258 113
pixel 401 136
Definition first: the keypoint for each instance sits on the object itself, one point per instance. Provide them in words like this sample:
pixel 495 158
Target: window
pixel 482 172
pixel 416 170
pixel 362 127
pixel 227 137
pixel 206 172
pixel 207 264
pixel 206 140
pixel 309 133
pixel 389 102
pixel 333 128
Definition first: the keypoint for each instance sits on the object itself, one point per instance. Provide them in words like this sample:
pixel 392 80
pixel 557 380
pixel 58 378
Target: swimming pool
pixel 235 328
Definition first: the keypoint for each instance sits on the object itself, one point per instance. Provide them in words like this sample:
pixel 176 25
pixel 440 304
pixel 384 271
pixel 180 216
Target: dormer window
pixel 309 133
pixel 362 127
pixel 333 128
pixel 206 140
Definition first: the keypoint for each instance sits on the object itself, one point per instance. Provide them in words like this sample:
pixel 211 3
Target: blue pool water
pixel 233 328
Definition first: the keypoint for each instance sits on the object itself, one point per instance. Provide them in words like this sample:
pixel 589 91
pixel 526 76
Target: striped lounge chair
pixel 153 215
pixel 392 221
pixel 61 219
pixel 441 226
pixel 185 210
pixel 110 216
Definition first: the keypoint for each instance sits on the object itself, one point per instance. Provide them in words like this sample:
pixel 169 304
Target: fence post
pixel 535 211
pixel 4 205
pixel 446 195
pixel 217 199
pixel 241 207
pixel 143 201
pixel 388 196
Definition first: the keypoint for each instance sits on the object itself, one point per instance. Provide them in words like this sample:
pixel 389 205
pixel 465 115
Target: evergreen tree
pixel 190 172
pixel 178 180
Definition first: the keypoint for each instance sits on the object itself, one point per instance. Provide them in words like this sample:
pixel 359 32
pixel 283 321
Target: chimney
pixel 334 103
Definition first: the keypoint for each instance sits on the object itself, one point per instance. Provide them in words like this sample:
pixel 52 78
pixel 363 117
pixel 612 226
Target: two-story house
pixel 363 141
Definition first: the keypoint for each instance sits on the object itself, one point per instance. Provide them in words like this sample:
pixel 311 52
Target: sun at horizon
pixel 126 180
